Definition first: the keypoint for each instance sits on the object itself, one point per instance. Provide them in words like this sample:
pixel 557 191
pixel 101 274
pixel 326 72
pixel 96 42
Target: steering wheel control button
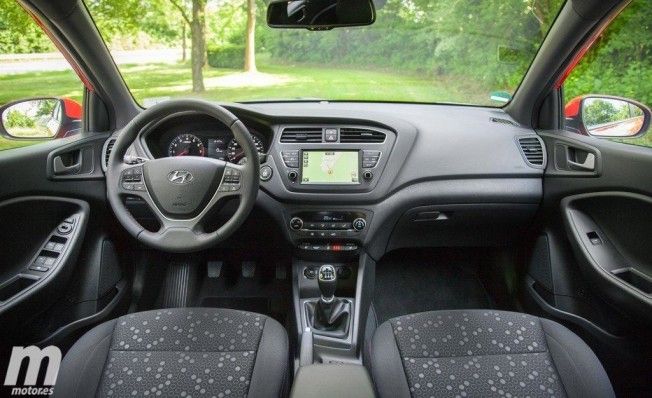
pixel 290 158
pixel 296 223
pixel 266 173
pixel 134 174
pixel 132 179
pixel 231 180
pixel 359 224
pixel 232 175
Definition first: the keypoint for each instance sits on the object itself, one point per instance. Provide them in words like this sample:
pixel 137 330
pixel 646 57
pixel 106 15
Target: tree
pixel 19 33
pixel 197 22
pixel 250 45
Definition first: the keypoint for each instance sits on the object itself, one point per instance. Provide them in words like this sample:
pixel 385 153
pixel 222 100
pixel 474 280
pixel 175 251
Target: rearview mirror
pixel 40 118
pixel 320 14
pixel 607 116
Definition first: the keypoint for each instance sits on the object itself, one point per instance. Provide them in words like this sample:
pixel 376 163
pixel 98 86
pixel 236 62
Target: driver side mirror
pixel 605 116
pixel 40 118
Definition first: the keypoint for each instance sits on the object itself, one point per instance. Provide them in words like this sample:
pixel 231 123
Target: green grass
pixel 10 144
pixel 40 84
pixel 298 81
pixel 274 82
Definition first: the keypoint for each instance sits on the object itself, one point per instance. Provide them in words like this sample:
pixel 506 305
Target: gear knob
pixel 327 280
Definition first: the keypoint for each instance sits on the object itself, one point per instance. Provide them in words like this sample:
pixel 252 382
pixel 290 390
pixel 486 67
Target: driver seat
pixel 179 352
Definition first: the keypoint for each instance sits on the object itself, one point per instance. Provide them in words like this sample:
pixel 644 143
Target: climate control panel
pixel 328 224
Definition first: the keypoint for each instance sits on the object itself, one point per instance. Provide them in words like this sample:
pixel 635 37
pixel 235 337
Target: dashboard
pixel 199 135
pixel 382 176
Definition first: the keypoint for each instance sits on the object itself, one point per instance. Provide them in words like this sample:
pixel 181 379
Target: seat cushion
pixel 182 352
pixel 483 353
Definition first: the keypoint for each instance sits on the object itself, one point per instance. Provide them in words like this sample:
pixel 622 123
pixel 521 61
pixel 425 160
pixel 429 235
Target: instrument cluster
pixel 223 147
pixel 200 135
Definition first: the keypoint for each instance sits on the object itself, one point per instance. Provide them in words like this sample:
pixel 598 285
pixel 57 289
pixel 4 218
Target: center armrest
pixel 332 381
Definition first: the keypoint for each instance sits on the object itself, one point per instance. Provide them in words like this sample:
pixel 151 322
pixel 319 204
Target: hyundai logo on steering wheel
pixel 180 177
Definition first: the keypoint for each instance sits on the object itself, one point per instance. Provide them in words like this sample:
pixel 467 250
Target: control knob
pixel 296 223
pixel 359 224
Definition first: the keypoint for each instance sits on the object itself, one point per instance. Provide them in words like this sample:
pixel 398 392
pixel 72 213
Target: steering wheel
pixel 181 191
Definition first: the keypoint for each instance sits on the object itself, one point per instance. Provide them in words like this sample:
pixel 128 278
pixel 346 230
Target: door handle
pixel 580 159
pixel 587 165
pixel 73 167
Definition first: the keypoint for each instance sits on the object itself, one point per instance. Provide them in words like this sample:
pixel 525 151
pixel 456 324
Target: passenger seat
pixel 471 353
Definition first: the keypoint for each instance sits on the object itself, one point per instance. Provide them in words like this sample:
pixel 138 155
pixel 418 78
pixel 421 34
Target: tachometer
pixel 186 145
pixel 235 153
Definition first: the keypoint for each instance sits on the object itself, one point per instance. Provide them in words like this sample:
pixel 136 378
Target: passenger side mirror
pixel 40 118
pixel 607 117
pixel 320 14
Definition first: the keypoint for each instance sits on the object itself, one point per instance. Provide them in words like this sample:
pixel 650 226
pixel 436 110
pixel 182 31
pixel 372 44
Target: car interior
pixel 331 248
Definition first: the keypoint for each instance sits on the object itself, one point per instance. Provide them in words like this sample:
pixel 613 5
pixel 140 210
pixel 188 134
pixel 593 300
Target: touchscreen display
pixel 330 167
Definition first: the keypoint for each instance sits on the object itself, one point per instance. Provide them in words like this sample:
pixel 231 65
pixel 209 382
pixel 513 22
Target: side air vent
pixel 301 134
pixel 533 150
pixel 107 151
pixel 358 135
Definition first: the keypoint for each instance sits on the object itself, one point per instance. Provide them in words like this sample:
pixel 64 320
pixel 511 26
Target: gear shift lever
pixel 330 314
pixel 327 281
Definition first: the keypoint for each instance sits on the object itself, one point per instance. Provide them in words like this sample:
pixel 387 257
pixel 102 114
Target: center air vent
pixel 301 134
pixel 107 151
pixel 533 150
pixel 359 135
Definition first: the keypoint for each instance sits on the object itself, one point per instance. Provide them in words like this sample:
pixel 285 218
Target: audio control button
pixel 296 223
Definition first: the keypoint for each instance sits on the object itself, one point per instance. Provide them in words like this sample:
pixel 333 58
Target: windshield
pixel 452 51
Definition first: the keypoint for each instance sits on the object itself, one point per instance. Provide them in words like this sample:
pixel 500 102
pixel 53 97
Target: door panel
pixel 63 260
pixel 591 263
pixel 30 170
pixel 611 236
pixel 613 202
pixel 42 243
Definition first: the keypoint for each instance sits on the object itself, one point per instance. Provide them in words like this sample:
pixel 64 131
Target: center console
pixel 331 299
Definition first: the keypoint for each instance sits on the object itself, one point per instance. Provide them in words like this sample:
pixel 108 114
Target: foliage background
pixel 429 50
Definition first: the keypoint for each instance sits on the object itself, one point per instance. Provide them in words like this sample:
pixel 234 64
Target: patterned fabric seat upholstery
pixel 181 352
pixel 481 353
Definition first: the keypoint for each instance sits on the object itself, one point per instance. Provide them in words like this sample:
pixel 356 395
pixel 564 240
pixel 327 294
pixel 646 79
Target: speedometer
pixel 186 145
pixel 235 152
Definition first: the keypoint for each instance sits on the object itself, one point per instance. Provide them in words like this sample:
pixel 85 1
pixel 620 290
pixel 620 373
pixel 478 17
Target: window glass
pixel 40 95
pixel 619 64
pixel 433 51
